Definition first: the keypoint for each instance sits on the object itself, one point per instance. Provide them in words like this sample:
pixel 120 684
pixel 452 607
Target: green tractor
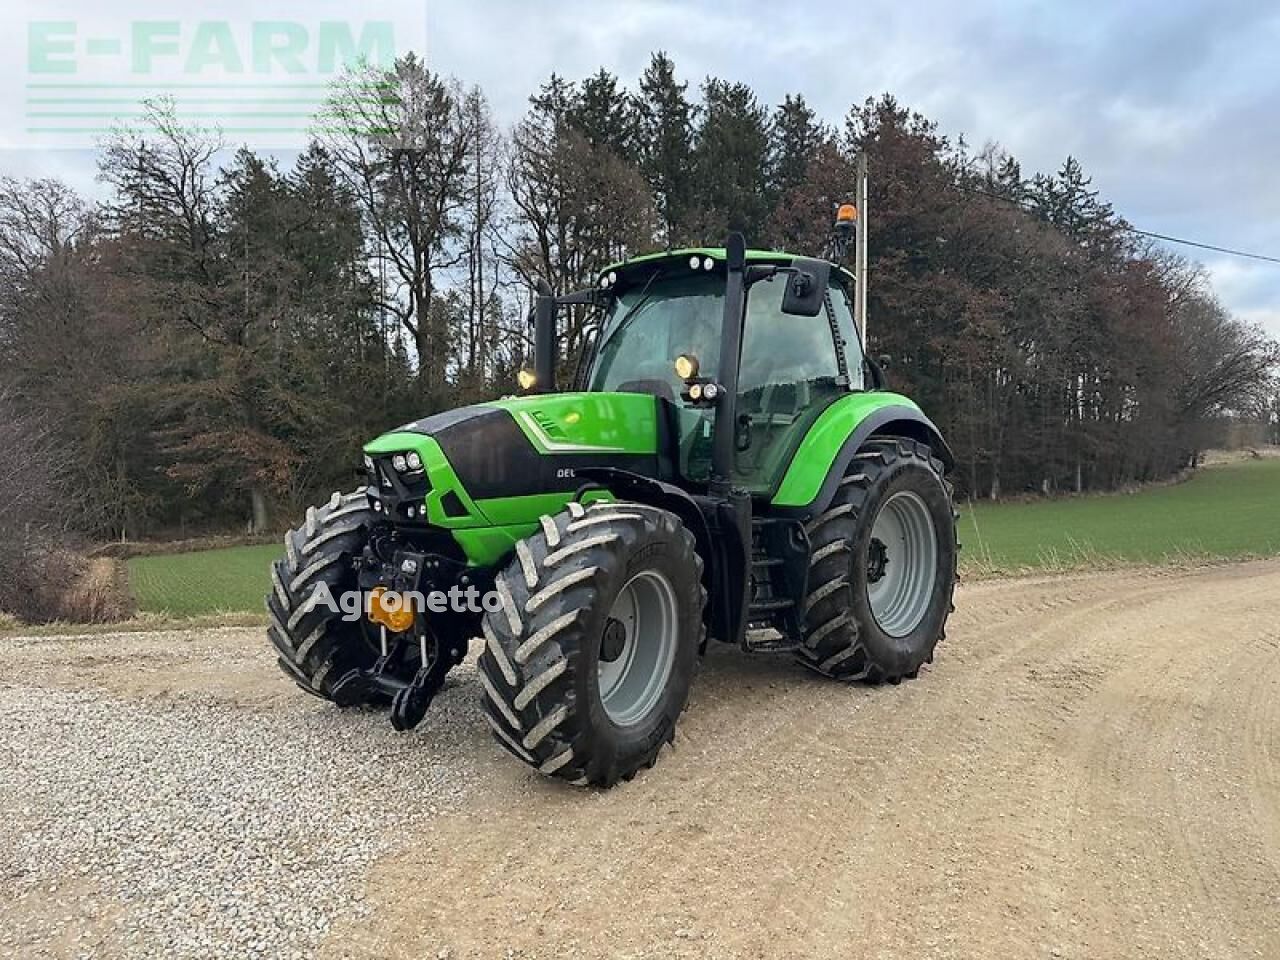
pixel 726 465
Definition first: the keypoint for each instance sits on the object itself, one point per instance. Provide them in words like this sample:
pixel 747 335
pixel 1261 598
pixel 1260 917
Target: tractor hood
pixel 510 461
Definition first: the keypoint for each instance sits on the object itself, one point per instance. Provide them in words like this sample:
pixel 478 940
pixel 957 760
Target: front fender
pixel 722 535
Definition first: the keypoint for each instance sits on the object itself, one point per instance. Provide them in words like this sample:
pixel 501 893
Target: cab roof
pixel 717 254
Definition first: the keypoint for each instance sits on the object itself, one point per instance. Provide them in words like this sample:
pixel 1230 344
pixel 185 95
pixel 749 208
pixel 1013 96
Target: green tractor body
pixel 782 501
pixel 492 470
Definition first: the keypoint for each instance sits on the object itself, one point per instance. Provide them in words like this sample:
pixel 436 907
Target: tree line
pixel 207 346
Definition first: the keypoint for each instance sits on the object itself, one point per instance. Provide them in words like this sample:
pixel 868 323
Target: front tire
pixel 587 666
pixel 315 645
pixel 883 566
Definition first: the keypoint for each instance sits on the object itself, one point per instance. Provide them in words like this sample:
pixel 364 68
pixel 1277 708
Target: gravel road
pixel 1090 769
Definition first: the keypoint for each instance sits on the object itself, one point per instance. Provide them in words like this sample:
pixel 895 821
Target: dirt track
pixel 1090 769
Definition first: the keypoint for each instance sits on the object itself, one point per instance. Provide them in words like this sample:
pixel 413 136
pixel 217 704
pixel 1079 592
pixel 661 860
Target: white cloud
pixel 1248 288
pixel 1268 318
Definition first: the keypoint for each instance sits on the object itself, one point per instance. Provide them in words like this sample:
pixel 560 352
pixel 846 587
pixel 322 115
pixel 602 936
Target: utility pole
pixel 860 252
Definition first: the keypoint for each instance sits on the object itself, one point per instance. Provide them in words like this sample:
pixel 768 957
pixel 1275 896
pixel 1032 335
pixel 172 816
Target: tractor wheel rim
pixel 632 684
pixel 907 568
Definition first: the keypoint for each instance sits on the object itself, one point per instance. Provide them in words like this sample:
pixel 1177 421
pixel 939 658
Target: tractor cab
pixel 661 334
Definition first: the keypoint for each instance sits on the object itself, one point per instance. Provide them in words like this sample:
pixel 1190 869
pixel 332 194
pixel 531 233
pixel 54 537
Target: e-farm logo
pixel 257 71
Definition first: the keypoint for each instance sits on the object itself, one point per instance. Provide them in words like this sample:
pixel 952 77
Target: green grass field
pixel 230 580
pixel 1223 512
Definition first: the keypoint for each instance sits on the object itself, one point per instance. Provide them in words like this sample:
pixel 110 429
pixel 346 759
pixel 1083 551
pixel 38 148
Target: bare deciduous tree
pixel 403 138
pixel 577 206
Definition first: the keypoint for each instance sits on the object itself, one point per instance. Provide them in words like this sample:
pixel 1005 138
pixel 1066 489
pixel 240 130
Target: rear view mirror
pixel 806 287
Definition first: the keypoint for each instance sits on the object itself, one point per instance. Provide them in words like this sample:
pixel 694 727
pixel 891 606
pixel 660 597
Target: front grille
pixel 402 495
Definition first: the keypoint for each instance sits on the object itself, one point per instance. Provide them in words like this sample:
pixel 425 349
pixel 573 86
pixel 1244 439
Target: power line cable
pixel 1204 246
pixel 1142 233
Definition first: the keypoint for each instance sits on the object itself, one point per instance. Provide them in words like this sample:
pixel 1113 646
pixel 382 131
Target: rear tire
pixel 587 666
pixel 315 645
pixel 861 625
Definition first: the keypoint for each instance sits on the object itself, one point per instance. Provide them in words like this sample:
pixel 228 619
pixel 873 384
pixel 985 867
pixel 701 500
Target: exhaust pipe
pixel 544 339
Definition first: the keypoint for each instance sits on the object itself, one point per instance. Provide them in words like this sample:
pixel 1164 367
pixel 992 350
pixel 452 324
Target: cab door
pixel 789 374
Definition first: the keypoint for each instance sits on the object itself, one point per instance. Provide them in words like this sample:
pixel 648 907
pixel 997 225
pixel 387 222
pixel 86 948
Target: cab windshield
pixel 788 372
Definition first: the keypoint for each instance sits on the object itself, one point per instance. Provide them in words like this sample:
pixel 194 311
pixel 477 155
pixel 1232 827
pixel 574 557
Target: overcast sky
pixel 1173 107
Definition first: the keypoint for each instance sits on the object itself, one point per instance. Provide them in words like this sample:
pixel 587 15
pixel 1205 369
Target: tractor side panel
pixel 832 441
pixel 592 423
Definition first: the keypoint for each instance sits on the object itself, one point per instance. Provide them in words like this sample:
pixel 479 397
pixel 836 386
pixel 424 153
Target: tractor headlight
pixel 414 460
pixel 400 462
pixel 368 463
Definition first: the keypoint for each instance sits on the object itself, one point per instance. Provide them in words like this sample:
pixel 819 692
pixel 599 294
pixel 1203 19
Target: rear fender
pixel 890 420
